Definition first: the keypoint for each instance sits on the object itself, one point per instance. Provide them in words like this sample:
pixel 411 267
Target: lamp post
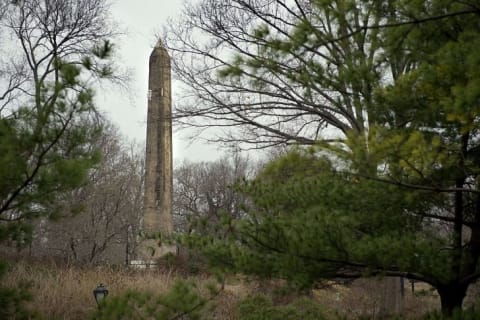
pixel 100 293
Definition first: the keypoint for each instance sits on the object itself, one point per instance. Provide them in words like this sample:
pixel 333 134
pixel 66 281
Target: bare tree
pixel 43 35
pixel 52 53
pixel 101 220
pixel 268 73
pixel 206 190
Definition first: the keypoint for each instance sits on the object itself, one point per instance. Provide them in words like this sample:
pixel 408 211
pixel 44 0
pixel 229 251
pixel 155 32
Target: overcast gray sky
pixel 141 19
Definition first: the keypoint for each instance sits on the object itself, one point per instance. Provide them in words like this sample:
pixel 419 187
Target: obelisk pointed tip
pixel 159 44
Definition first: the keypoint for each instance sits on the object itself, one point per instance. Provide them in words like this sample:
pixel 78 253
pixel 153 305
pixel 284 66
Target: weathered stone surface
pixel 158 163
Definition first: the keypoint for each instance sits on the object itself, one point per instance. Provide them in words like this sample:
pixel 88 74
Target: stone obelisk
pixel 157 219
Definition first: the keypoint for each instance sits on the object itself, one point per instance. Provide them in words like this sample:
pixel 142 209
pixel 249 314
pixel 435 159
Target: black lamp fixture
pixel 100 293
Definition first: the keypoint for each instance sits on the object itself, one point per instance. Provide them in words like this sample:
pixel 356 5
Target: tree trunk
pixel 451 297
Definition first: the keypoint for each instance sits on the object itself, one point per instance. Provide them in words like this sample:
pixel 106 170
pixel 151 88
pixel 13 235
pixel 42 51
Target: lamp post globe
pixel 100 293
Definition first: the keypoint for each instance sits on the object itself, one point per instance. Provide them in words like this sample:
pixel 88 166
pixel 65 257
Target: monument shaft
pixel 158 162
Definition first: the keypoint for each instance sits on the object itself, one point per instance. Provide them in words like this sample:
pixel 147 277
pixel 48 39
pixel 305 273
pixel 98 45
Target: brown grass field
pixel 61 292
pixel 67 292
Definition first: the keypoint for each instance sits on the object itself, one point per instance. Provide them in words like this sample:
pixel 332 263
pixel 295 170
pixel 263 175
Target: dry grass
pixel 364 297
pixel 67 292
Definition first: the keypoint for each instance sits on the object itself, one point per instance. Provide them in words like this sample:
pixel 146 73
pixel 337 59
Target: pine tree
pixel 396 193
pixel 48 120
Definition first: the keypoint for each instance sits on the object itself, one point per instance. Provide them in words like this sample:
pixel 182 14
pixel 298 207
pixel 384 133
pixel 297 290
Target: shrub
pixel 260 307
pixel 13 300
pixel 471 313
pixel 183 301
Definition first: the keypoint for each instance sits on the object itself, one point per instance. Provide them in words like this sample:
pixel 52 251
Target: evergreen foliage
pixel 183 301
pixel 395 192
pixel 467 314
pixel 48 120
pixel 262 308
pixel 52 51
pixel 13 301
